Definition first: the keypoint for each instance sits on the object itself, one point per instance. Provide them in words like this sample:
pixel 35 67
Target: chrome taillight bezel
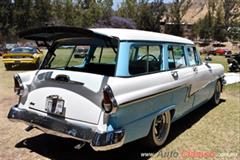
pixel 109 103
pixel 18 85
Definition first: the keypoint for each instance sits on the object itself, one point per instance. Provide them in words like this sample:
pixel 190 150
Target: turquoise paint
pixel 123 59
pixel 196 102
pixel 137 118
pixel 165 57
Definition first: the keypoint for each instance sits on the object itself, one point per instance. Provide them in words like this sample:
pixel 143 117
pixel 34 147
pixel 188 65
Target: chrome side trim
pixel 151 96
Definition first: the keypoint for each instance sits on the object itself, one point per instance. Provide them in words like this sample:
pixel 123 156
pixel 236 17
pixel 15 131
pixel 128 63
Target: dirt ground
pixel 209 129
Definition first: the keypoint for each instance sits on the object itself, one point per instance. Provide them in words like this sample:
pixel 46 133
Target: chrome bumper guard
pixel 98 141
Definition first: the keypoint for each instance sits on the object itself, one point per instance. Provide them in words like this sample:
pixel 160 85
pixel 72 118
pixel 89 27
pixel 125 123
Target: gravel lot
pixel 208 129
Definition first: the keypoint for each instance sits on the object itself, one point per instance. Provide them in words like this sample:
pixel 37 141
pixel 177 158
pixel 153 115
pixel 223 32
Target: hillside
pixel 199 9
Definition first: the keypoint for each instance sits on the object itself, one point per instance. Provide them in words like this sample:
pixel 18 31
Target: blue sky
pixel 116 3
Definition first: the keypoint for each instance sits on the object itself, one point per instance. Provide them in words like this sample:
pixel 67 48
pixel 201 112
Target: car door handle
pixel 174 74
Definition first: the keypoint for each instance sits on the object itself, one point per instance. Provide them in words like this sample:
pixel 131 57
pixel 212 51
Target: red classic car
pixel 219 51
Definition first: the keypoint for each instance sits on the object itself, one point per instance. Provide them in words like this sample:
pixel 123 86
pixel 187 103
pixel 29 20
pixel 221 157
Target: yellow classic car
pixel 22 56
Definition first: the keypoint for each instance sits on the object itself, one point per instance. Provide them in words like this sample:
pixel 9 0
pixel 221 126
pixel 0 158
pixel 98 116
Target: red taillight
pixel 109 103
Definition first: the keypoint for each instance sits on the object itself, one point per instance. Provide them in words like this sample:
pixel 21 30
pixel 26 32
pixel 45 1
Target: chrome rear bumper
pixel 59 126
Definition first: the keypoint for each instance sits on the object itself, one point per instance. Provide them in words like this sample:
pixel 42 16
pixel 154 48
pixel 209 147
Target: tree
pixel 116 22
pixel 69 13
pixel 203 28
pixel 231 15
pixel 178 9
pixel 149 15
pixel 128 9
pixel 219 31
pixel 7 29
pixel 106 7
pixel 57 7
pixel 91 14
pixel 42 13
pixel 229 12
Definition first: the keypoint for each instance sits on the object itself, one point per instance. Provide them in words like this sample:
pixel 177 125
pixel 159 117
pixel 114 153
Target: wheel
pixel 8 66
pixel 217 93
pixel 159 130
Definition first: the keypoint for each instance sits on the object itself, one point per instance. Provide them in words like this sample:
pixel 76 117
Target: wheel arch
pixel 170 109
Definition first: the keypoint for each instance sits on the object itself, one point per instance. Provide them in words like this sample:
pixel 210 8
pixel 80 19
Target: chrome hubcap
pixel 160 127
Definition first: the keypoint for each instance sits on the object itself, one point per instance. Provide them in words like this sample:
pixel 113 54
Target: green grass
pixel 233 90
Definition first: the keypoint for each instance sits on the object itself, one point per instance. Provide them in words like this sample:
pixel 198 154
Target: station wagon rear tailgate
pixel 53 33
pixel 78 98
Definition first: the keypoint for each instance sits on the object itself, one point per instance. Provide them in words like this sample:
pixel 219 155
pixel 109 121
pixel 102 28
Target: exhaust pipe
pixel 29 128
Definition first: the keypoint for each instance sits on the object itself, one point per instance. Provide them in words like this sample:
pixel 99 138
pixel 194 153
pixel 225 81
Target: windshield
pixel 24 50
pixel 94 58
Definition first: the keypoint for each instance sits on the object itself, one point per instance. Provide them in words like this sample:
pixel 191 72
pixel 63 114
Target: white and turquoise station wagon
pixel 130 84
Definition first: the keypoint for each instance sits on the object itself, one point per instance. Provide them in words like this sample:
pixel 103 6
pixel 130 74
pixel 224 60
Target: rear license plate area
pixel 55 105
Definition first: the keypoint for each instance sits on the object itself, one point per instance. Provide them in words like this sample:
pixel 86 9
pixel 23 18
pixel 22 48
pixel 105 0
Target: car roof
pixel 139 35
pixel 54 33
pixel 25 47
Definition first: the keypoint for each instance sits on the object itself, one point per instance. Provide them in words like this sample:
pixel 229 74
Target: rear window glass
pixel 23 50
pixel 104 55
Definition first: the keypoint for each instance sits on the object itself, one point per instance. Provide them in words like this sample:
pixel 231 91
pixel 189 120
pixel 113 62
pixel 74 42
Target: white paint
pixel 139 35
pixel 77 106
pixel 137 87
pixel 90 81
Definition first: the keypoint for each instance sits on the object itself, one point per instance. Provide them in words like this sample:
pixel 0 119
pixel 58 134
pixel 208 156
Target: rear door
pixel 181 74
pixel 201 76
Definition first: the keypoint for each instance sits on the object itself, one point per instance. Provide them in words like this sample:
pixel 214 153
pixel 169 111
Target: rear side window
pixel 192 56
pixel 63 54
pixel 145 59
pixel 104 55
pixel 176 57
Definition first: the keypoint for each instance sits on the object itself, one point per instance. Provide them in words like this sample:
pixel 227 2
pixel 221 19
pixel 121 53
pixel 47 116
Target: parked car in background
pixel 138 84
pixel 22 56
pixel 218 44
pixel 80 52
pixel 219 51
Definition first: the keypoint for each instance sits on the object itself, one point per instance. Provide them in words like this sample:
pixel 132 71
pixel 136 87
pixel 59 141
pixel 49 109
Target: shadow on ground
pixel 54 147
